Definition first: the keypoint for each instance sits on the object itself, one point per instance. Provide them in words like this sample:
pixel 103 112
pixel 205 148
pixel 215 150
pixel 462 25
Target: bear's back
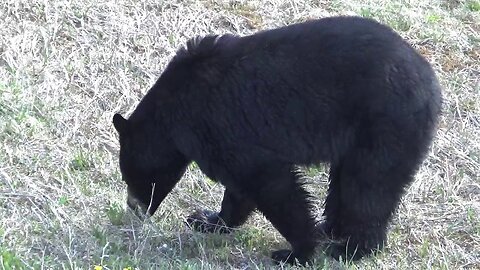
pixel 302 93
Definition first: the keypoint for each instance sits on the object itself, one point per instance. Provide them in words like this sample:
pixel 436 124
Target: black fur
pixel 343 90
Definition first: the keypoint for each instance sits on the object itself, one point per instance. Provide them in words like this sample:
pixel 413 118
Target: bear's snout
pixel 138 208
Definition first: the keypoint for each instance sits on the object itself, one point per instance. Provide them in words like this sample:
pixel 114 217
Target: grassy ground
pixel 67 66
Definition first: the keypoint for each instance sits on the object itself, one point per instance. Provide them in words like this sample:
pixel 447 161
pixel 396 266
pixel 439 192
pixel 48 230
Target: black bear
pixel 344 90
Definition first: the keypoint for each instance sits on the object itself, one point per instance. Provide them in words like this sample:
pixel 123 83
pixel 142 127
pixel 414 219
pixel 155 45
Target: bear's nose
pixel 139 209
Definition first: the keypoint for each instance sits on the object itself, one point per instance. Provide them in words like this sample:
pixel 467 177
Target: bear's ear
pixel 120 123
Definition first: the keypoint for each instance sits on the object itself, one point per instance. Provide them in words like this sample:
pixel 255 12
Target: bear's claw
pixel 287 256
pixel 207 221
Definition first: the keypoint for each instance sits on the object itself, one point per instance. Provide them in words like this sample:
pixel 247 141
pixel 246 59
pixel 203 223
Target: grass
pixel 67 67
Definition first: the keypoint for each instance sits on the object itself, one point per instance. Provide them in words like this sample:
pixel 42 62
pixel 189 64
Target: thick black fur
pixel 343 90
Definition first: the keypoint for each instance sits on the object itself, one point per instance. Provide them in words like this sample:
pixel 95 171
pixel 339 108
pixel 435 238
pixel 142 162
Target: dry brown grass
pixel 67 66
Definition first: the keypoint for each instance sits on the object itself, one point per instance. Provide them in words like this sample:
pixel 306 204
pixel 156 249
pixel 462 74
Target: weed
pixel 434 18
pixel 115 214
pixel 80 161
pixel 473 6
pixel 9 260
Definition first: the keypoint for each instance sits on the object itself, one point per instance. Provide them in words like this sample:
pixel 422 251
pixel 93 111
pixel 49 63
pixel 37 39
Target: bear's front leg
pixel 235 211
pixel 280 196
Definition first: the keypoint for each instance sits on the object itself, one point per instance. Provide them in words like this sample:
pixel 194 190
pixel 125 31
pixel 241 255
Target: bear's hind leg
pixel 371 184
pixel 234 212
pixel 329 226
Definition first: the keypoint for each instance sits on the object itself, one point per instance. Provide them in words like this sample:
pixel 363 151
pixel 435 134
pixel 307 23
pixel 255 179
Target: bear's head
pixel 149 164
